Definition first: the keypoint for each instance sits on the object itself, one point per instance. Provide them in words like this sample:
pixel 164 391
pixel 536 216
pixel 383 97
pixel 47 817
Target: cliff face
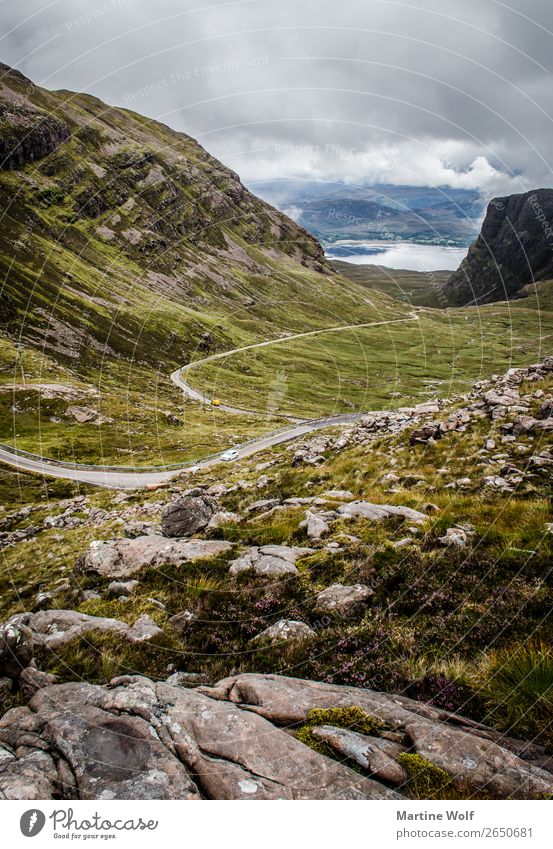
pixel 514 248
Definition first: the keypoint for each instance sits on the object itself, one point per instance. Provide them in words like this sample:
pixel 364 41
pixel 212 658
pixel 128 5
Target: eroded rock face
pixel 140 740
pixel 188 514
pixel 137 739
pixel 269 560
pixel 28 134
pixel 479 755
pixel 125 557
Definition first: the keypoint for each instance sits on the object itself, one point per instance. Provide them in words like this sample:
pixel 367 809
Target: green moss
pixel 426 780
pixel 352 717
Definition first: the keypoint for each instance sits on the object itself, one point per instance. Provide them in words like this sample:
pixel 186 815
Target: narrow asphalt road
pixel 196 395
pixel 113 477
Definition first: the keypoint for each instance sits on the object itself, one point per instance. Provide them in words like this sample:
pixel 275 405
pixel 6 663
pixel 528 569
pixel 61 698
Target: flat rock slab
pixel 379 512
pixel 480 764
pixel 471 753
pixel 136 739
pixel 122 558
pixel 269 560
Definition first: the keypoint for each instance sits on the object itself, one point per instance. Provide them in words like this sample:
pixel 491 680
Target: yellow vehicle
pixel 215 403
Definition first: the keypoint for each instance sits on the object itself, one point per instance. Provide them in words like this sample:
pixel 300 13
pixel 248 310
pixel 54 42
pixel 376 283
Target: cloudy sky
pixel 420 92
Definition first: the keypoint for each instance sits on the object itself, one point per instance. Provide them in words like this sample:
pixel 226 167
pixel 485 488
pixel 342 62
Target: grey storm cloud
pixel 431 92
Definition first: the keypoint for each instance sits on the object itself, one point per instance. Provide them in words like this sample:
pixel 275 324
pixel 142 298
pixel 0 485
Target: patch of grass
pixel 516 683
pixel 98 658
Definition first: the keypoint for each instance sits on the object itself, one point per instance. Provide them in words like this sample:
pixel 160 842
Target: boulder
pixel 223 518
pixel 342 601
pixel 143 630
pixel 54 629
pixel 316 525
pixel 286 630
pixel 119 588
pixel 188 514
pixel 378 512
pixel 454 537
pixel 339 495
pixel 269 560
pixel 425 434
pixel 16 648
pixel 125 557
pixel 82 414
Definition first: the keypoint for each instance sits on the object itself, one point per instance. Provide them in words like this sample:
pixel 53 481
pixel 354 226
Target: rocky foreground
pixel 138 739
pixel 193 592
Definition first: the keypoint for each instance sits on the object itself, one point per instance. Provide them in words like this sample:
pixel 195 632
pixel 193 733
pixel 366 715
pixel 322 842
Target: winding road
pixel 114 477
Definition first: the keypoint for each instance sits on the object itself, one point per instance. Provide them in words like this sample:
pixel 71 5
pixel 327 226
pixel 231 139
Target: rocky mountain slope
pixel 403 562
pixel 514 249
pixel 122 238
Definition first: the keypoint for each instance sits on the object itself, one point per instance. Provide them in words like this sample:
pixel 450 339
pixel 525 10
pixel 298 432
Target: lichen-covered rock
pixel 138 739
pixel 287 630
pixel 269 560
pixel 143 630
pixel 316 525
pixel 343 601
pixel 54 629
pixel 379 512
pixel 478 763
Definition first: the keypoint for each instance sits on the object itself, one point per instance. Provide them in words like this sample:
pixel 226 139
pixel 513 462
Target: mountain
pixel 333 211
pixel 514 249
pixel 119 233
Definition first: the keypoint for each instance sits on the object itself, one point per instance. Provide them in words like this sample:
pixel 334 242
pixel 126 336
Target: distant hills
pixel 333 211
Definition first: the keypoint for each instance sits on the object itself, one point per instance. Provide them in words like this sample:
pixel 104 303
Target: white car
pixel 231 454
